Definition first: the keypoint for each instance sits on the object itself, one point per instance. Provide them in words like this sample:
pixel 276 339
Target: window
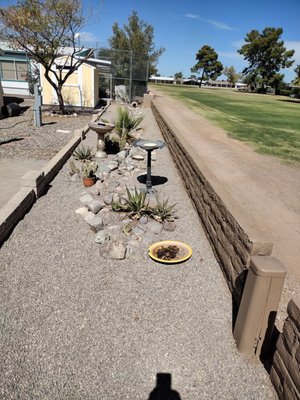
pixel 13 70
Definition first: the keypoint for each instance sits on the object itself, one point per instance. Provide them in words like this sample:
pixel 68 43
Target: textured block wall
pixel 285 371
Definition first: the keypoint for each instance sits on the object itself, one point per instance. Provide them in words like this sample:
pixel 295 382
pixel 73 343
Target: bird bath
pixel 149 146
pixel 101 129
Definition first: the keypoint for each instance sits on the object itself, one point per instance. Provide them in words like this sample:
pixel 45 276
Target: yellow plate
pixel 156 251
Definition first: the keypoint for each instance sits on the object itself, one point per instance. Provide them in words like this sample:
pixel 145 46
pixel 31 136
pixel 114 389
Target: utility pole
pixel 130 78
pixel 37 105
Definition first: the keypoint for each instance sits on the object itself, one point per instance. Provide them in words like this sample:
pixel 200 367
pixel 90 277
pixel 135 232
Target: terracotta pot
pixel 89 181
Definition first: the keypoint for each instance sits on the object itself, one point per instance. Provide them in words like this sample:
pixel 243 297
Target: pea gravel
pixel 77 326
pixel 20 138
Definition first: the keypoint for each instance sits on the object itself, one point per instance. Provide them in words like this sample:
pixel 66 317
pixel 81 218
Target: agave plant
pixel 125 122
pixel 163 210
pixel 135 203
pixel 83 153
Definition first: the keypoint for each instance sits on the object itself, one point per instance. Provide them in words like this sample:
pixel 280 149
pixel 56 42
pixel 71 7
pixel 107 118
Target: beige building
pixel 81 88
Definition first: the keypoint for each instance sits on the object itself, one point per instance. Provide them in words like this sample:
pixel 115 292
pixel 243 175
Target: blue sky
pixel 183 27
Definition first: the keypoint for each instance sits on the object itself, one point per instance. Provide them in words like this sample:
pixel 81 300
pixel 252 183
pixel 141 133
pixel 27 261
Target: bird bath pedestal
pixel 149 146
pixel 101 129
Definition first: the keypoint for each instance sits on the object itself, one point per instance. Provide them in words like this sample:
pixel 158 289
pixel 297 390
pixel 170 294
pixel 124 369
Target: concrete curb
pixel 34 183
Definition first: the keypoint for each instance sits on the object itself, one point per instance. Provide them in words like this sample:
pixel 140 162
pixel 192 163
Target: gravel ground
pixel 76 326
pixel 19 138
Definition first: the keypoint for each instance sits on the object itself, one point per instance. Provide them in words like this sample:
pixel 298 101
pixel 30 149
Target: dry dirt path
pixel 267 190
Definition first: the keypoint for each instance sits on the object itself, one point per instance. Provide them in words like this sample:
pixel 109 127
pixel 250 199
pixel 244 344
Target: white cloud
pixel 293 45
pixel 233 55
pixel 217 24
pixel 238 43
pixel 193 16
pixel 87 37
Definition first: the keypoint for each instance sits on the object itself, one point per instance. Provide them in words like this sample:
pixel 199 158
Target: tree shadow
pixel 290 100
pixel 163 389
pixel 155 179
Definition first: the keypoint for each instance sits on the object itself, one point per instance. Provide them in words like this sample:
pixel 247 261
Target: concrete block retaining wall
pixel 285 371
pixel 230 240
pixel 34 184
pixel 228 234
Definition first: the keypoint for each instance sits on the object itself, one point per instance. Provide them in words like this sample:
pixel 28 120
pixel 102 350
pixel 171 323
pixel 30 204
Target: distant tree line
pixel 266 56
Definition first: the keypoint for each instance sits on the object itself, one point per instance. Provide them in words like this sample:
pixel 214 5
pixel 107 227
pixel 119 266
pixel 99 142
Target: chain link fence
pixel 126 78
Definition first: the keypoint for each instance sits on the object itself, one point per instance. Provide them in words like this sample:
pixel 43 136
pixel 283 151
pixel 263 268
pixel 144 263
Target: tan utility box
pixel 257 312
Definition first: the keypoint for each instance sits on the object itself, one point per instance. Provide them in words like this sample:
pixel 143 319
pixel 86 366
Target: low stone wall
pixel 285 371
pixel 34 184
pixel 232 244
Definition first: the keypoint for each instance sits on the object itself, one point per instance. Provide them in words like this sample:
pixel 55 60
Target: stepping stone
pixel 108 199
pixel 101 237
pixel 143 220
pixel 121 156
pixel 86 198
pixel 169 226
pixel 138 230
pixel 82 211
pixel 132 247
pixel 114 250
pixel 154 227
pixel 94 221
pixel 95 206
pixel 113 165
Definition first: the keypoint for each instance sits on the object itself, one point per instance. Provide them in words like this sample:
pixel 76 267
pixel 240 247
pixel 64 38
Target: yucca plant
pixel 163 210
pixel 125 122
pixel 83 153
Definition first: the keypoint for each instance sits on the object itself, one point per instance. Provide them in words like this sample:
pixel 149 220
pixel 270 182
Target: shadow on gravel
pixel 23 109
pixel 236 295
pixel 155 179
pixel 49 123
pixel 12 99
pixel 163 389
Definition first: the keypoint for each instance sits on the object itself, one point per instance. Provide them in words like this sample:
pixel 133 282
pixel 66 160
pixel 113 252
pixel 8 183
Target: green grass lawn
pixel 270 123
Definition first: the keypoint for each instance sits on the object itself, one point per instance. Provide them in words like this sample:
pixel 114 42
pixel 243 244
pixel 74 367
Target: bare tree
pixel 46 30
